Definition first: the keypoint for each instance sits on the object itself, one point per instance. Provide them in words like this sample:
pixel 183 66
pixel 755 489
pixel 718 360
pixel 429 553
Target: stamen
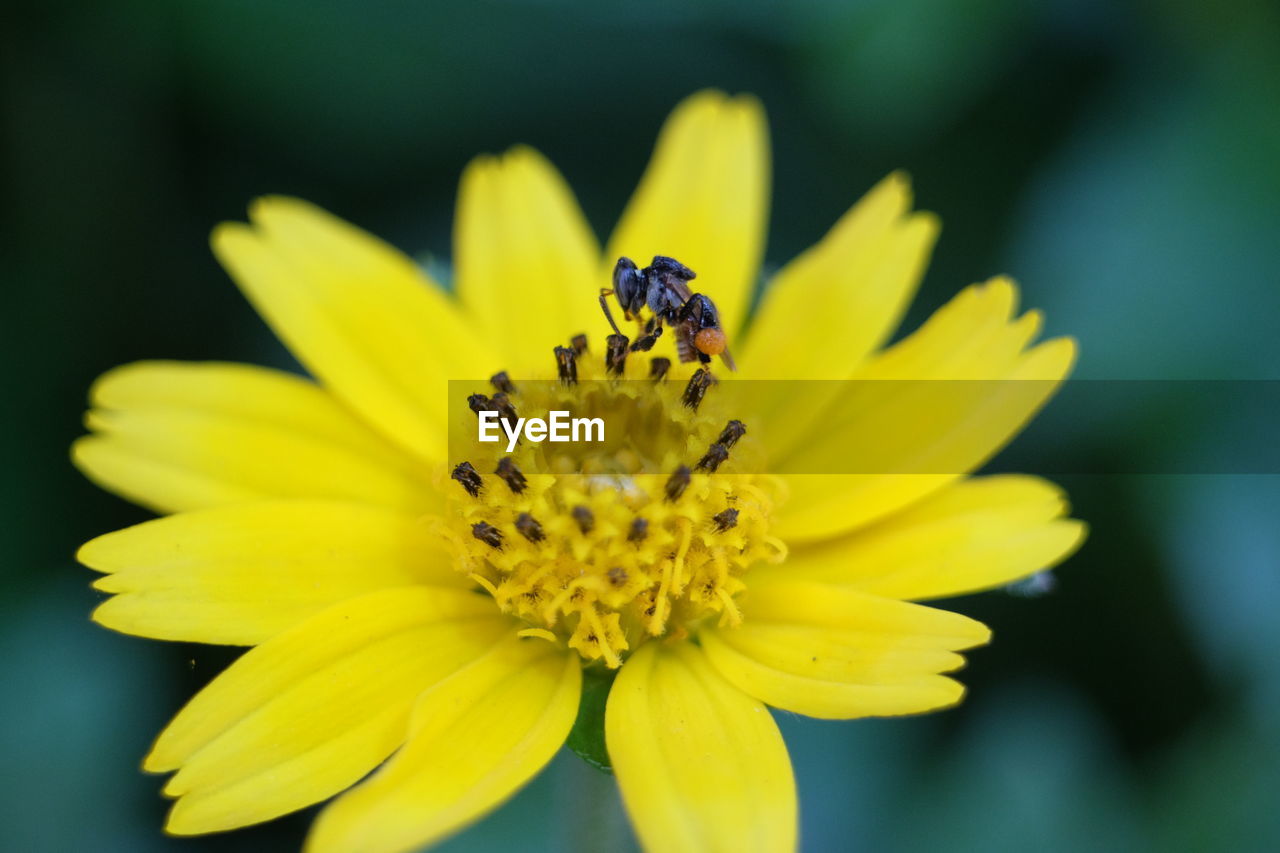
pixel 586 521
pixel 511 475
pixel 488 586
pixel 716 454
pixel 639 530
pixel 732 431
pixel 598 634
pixel 658 620
pixel 726 520
pixel 615 358
pixel 557 604
pixel 488 534
pixel 682 551
pixel 567 365
pixel 502 382
pixel 578 343
pixel 507 412
pixel 699 382
pixel 617 577
pixel 731 615
pixel 468 477
pixel 479 403
pixel 658 368
pixel 677 483
pixel 530 528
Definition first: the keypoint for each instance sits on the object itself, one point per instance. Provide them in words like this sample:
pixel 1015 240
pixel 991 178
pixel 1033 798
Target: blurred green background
pixel 1121 159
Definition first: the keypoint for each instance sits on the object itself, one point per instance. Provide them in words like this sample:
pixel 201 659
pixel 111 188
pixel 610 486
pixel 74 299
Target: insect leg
pixel 604 306
pixel 652 331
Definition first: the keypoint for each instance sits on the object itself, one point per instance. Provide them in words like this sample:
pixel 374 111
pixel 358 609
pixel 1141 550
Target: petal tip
pixel 90 554
pixel 1080 529
pixel 83 449
pixel 928 223
pixel 1055 358
pixel 896 183
pixel 266 208
pixel 155 762
pixel 227 238
pixel 179 822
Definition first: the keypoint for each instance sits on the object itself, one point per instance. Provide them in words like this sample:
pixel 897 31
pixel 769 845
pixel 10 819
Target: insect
pixel 663 287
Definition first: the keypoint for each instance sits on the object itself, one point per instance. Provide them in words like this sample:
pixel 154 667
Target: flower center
pixel 608 544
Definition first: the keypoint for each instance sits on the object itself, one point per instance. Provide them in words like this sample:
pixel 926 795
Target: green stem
pixel 597 822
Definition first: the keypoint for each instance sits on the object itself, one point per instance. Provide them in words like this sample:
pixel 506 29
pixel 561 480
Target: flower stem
pixel 597 820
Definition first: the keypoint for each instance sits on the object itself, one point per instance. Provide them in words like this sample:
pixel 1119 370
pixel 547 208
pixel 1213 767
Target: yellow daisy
pixel 431 620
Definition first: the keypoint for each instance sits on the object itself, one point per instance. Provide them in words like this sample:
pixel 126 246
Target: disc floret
pixel 606 546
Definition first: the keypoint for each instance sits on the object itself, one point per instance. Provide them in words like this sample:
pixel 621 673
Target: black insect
pixel 663 288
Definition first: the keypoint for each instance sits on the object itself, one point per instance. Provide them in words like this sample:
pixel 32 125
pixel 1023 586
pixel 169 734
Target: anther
pixel 615 357
pixel 677 483
pixel 468 477
pixel 617 576
pixel 479 403
pixel 699 382
pixel 502 382
pixel 726 520
pixel 639 530
pixel 732 431
pixel 511 475
pixel 578 343
pixel 567 365
pixel 507 412
pixel 488 534
pixel 530 528
pixel 658 368
pixel 715 455
pixel 586 521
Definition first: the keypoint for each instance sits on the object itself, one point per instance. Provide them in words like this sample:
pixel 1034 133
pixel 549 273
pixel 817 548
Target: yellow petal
pixel 701 765
pixel 969 536
pixel 312 710
pixel 824 312
pixel 976 336
pixel 358 314
pixel 527 266
pixel 704 200
pixel 177 436
pixel 242 574
pixel 914 436
pixel 477 737
pixel 836 653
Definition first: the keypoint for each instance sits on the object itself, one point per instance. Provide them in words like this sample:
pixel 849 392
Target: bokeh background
pixel 1122 159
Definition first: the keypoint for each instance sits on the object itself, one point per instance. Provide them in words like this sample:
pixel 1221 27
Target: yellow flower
pixel 444 622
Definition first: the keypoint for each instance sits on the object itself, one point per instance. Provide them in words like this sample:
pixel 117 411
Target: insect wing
pixel 680 288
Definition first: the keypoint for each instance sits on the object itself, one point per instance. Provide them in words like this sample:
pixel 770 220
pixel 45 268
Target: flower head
pixel 434 613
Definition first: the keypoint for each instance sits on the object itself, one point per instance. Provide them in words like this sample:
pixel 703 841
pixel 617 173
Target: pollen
pixel 643 536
